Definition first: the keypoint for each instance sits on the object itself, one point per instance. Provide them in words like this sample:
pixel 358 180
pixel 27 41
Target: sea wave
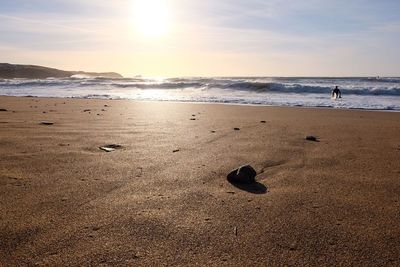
pixel 360 93
pixel 354 86
pixel 308 89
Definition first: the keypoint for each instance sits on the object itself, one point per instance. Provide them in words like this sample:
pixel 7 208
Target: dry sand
pixel 65 202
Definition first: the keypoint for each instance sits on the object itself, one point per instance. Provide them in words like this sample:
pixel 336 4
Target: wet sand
pixel 65 202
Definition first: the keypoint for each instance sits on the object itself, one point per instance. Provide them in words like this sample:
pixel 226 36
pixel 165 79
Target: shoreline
pixel 205 103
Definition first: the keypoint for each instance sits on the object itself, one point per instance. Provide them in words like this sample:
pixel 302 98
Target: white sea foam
pixel 362 93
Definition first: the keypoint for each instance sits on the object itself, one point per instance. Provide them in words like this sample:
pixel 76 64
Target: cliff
pixel 10 71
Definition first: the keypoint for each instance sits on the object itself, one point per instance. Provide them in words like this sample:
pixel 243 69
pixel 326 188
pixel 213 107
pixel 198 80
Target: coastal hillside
pixel 11 71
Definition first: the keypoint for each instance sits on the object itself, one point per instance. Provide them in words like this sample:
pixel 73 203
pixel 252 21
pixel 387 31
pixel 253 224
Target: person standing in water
pixel 336 93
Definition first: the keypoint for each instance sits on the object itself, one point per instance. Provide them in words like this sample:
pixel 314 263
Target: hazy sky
pixel 205 37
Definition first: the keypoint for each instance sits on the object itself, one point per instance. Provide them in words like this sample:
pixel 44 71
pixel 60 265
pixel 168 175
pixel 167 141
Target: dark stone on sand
pixel 213 131
pixel 311 138
pixel 243 175
pixel 176 150
pixel 192 119
pixel 3 109
pixel 86 110
pixel 46 123
pixel 263 121
pixel 236 129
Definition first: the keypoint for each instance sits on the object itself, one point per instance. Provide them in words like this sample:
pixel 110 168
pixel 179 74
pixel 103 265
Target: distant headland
pixel 11 71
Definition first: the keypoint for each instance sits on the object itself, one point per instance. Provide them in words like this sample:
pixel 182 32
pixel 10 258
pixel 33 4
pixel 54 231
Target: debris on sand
pixel 110 148
pixel 86 110
pixel 213 131
pixel 311 138
pixel 46 123
pixel 176 150
pixel 263 121
pixel 3 109
pixel 192 119
pixel 236 129
pixel 243 175
pixel 63 144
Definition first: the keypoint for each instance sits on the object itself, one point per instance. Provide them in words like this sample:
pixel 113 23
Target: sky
pixel 170 38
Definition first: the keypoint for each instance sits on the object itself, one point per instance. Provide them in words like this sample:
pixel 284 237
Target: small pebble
pixel 46 123
pixel 110 148
pixel 311 138
pixel 63 144
pixel 293 246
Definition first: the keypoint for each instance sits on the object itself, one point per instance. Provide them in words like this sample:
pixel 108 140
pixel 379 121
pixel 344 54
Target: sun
pixel 152 17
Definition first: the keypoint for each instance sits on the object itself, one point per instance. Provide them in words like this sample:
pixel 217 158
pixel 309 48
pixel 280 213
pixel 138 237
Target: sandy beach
pixel 65 202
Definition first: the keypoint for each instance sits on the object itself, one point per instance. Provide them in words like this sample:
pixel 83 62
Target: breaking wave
pixel 355 86
pixel 364 92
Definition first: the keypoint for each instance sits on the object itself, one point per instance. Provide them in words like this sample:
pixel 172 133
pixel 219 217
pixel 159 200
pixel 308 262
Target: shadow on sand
pixel 254 188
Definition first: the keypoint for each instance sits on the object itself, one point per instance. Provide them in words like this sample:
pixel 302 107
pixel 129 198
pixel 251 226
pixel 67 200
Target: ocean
pixel 358 93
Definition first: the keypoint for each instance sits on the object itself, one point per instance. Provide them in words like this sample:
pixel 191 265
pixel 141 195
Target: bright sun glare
pixel 152 17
